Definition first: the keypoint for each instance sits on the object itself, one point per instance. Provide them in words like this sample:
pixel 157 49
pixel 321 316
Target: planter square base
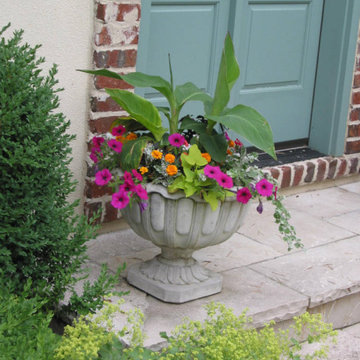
pixel 174 293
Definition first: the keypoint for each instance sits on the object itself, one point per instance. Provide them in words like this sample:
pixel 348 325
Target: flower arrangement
pixel 195 155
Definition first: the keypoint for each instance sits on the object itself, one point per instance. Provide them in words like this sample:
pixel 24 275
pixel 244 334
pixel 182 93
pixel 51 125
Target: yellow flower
pixel 156 154
pixel 229 151
pixel 143 170
pixel 206 156
pixel 131 136
pixel 121 138
pixel 170 158
pixel 172 170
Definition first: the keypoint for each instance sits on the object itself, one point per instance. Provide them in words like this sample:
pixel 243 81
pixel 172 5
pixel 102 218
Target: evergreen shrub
pixel 42 237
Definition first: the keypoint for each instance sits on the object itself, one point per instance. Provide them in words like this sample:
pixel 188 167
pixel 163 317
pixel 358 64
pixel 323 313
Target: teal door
pixel 276 42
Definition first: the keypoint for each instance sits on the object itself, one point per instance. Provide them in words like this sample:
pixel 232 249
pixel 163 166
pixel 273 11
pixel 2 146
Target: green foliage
pixel 41 236
pixel 24 328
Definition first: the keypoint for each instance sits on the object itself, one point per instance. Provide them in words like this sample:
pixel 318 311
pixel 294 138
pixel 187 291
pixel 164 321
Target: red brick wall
pixel 353 131
pixel 115 48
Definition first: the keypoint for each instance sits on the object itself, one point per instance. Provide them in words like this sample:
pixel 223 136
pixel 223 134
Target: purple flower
pixel 102 177
pixel 115 145
pixel 137 175
pixel 141 192
pixel 259 208
pixel 97 141
pixel 176 140
pixel 243 195
pixel 118 130
pixel 224 180
pixel 264 187
pixel 212 171
pixel 143 205
pixel 119 200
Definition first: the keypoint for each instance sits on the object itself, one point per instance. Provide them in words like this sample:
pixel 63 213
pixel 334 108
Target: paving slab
pixel 325 273
pixel 349 221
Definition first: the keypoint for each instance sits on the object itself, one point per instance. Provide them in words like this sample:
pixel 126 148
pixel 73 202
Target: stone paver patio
pixel 259 273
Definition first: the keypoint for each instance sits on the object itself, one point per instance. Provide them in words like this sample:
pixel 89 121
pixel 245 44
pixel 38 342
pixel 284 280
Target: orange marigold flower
pixel 120 138
pixel 172 170
pixel 231 143
pixel 206 156
pixel 131 136
pixel 156 154
pixel 229 151
pixel 143 170
pixel 170 158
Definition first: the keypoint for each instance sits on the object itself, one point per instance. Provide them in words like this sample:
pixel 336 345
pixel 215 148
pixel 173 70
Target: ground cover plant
pixel 42 237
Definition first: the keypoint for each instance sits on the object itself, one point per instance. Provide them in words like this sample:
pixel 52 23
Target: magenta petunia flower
pixel 243 195
pixel 97 141
pixel 212 171
pixel 119 200
pixel 264 187
pixel 141 192
pixel 227 137
pixel 137 175
pixel 102 177
pixel 224 180
pixel 93 157
pixel 176 140
pixel 115 145
pixel 118 130
pixel 238 143
pixel 127 186
pixel 127 176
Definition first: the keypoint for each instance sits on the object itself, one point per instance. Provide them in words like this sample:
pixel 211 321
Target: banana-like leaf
pixel 138 79
pixel 248 123
pixel 188 92
pixel 128 122
pixel 132 152
pixel 140 109
pixel 215 145
pixel 197 126
pixel 229 72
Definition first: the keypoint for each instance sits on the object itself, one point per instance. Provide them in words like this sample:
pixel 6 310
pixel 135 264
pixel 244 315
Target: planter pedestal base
pixel 174 281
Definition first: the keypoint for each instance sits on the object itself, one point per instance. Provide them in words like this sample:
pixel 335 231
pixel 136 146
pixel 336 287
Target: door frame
pixel 333 84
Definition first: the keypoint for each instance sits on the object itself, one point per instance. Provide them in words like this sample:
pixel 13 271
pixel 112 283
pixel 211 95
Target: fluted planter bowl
pixel 179 226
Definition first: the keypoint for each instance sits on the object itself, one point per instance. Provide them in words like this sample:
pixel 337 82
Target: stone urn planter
pixel 179 226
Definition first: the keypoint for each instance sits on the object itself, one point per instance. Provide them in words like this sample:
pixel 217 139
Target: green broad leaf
pixel 248 123
pixel 139 79
pixel 197 126
pixel 104 72
pixel 140 109
pixel 188 92
pixel 128 122
pixel 229 72
pixel 179 183
pixel 194 157
pixel 189 174
pixel 215 145
pixel 165 110
pixel 132 152
pixel 212 199
pixel 229 194
pixel 189 189
pixel 165 140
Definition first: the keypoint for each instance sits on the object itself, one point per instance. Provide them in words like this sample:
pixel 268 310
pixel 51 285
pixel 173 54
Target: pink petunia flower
pixel 127 176
pixel 102 177
pixel 93 157
pixel 128 186
pixel 118 130
pixel 97 141
pixel 120 200
pixel 137 175
pixel 115 145
pixel 264 187
pixel 212 171
pixel 176 140
pixel 238 143
pixel 227 137
pixel 141 192
pixel 243 195
pixel 224 181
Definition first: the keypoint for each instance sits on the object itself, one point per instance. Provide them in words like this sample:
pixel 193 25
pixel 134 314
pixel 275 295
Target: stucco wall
pixel 65 30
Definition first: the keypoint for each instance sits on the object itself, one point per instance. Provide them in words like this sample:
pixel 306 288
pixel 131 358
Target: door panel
pixel 193 33
pixel 277 43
